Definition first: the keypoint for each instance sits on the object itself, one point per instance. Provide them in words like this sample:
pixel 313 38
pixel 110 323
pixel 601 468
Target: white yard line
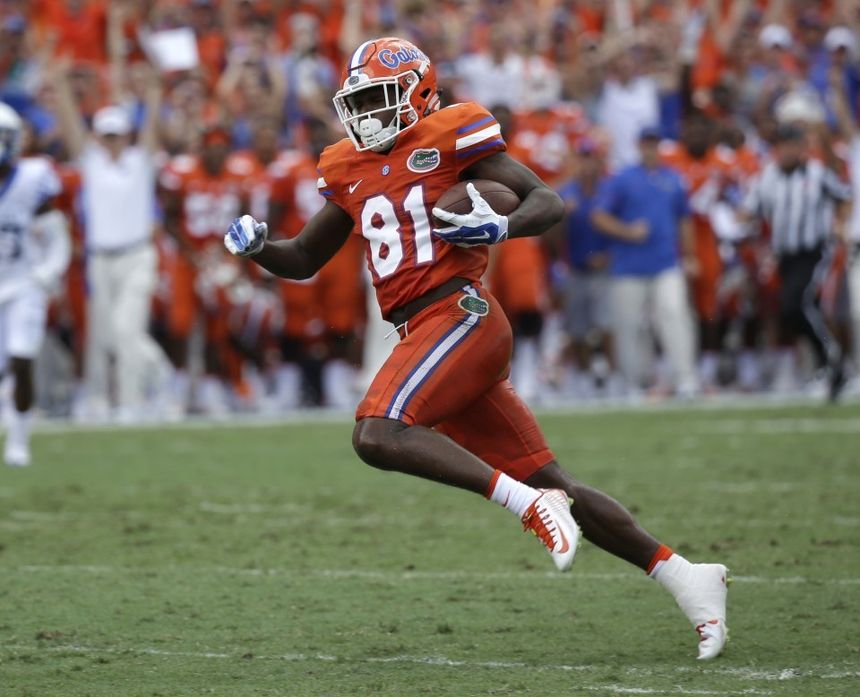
pixel 395 576
pixel 616 689
pixel 822 672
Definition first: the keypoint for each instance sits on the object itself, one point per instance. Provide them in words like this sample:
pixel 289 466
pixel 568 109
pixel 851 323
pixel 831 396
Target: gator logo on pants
pixel 474 306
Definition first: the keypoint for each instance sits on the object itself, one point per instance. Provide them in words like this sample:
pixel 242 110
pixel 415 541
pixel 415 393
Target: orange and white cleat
pixel 713 637
pixel 549 518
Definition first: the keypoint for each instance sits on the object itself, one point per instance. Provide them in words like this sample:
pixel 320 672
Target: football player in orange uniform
pixel 323 312
pixel 542 138
pixel 74 298
pixel 200 195
pixel 441 407
pixel 517 273
pixel 707 170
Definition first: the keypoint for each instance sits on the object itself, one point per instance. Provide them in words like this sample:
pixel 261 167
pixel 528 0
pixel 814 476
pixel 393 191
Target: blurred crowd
pixel 223 106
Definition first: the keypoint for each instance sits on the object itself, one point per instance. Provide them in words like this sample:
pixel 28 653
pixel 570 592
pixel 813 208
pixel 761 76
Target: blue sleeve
pixel 567 192
pixel 609 195
pixel 682 200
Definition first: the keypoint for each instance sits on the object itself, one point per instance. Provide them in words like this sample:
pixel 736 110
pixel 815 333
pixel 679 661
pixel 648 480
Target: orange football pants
pixel 450 372
pixel 706 285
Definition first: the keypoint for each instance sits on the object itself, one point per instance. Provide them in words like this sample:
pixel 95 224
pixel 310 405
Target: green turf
pixel 269 561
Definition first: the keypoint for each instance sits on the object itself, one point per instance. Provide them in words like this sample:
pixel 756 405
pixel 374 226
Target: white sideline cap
pixel 775 35
pixel 112 120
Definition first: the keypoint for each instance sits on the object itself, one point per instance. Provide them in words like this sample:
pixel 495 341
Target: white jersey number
pixel 384 230
pixel 209 214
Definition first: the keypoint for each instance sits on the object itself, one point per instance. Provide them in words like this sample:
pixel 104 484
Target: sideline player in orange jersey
pixel 200 196
pixel 72 303
pixel 441 406
pixel 323 313
pixel 707 170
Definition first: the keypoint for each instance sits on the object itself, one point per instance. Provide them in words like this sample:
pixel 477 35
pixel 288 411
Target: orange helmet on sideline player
pixel 409 83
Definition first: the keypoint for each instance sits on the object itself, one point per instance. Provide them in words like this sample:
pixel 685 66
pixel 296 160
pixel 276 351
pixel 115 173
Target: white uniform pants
pixel 120 295
pixel 22 323
pixel 637 304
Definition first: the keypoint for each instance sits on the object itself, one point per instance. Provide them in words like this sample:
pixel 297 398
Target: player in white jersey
pixel 34 253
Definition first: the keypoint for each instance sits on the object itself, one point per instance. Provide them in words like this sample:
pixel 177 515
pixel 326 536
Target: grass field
pixel 269 561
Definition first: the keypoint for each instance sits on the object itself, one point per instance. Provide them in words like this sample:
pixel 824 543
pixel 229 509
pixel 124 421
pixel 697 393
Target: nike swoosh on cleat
pixel 565 545
pixel 353 187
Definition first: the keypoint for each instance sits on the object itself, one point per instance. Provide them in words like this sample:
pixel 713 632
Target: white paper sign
pixel 172 49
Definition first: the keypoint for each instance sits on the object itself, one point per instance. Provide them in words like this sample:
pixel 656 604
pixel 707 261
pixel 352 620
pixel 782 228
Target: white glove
pixel 245 236
pixel 482 226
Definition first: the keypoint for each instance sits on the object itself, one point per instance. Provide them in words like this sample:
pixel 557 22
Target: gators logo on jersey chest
pixel 423 160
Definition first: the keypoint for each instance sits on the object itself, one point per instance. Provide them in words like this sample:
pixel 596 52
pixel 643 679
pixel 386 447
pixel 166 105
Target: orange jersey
pixel 80 35
pixel 295 191
pixel 209 202
pixel 716 164
pixel 717 167
pixel 257 180
pixel 67 201
pixel 746 162
pixel 543 140
pixel 390 197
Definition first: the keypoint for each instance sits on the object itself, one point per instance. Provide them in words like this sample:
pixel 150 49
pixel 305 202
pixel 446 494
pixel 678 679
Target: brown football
pixel 456 199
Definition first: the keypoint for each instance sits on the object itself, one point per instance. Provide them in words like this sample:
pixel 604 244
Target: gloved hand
pixel 245 236
pixel 482 226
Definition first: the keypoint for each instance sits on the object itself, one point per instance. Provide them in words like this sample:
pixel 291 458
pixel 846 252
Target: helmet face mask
pixel 389 86
pixel 10 135
pixel 377 128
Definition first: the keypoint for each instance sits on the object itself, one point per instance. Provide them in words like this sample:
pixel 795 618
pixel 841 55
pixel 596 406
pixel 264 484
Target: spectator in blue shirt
pixel 586 305
pixel 643 209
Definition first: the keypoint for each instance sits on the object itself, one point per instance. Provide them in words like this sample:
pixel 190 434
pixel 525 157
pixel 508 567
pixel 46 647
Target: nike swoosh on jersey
pixel 353 187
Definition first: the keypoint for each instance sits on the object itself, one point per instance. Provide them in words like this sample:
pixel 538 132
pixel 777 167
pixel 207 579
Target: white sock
pixel 513 495
pixel 748 370
pixel 338 377
pixel 684 581
pixel 674 575
pixel 181 383
pixel 709 363
pixel 672 566
pixel 524 368
pixel 19 427
pixel 213 396
pixel 288 386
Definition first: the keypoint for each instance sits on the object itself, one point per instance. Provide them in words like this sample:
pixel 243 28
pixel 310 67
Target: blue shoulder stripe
pixel 473 126
pixel 480 148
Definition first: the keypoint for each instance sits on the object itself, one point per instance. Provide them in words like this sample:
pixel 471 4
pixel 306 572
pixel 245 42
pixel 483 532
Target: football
pixel 456 199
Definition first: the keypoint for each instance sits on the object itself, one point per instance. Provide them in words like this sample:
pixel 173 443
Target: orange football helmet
pixel 408 79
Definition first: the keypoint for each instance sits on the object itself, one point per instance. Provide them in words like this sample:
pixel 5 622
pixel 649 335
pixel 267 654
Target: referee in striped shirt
pixel 805 204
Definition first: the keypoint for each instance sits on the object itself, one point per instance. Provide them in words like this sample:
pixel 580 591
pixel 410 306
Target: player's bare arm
pixel 608 224
pixel 541 207
pixel 304 255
